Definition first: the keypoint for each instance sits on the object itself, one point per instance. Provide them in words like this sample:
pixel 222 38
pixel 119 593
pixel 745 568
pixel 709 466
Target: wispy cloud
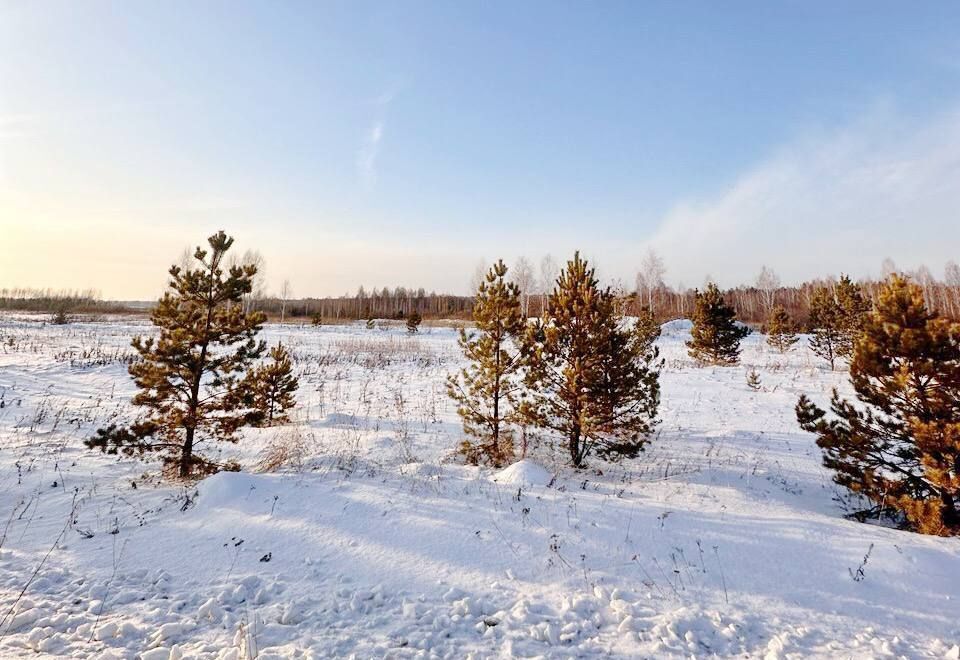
pixel 370 144
pixel 367 155
pixel 833 202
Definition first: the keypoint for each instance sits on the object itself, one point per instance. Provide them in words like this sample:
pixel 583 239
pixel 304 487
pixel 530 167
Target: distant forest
pixel 752 302
pixel 51 301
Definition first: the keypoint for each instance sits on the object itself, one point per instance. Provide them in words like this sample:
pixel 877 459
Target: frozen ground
pixel 726 538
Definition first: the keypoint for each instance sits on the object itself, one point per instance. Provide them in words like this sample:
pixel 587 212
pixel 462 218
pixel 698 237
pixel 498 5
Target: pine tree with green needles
pixel 487 390
pixel 589 376
pixel 826 325
pixel 648 330
pixel 853 311
pixel 781 331
pixel 715 336
pixel 900 448
pixel 413 322
pixel 192 375
pixel 61 314
pixel 272 387
pixel 837 315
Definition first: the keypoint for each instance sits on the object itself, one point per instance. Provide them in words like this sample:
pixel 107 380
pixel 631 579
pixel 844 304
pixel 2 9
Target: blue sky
pixel 399 143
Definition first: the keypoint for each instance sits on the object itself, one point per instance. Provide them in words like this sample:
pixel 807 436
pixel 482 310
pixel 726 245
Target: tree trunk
pixel 575 456
pixel 496 402
pixel 948 511
pixel 186 454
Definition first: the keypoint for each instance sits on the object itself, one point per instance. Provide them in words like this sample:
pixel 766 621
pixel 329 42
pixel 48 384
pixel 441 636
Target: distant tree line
pixel 753 303
pixel 397 303
pixel 50 301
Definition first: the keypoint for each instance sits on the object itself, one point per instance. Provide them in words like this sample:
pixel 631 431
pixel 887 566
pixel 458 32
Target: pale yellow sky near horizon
pixel 130 263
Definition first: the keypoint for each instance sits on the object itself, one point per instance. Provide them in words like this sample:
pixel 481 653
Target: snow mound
pixel 225 489
pixel 525 472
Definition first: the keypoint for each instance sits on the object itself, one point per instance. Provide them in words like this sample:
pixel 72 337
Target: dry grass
pixel 288 450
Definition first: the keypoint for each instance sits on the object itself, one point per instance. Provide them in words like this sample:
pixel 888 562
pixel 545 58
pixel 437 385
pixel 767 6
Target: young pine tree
pixel 61 314
pixel 191 376
pixel 853 311
pixel 486 391
pixel 901 447
pixel 589 377
pixel 826 325
pixel 648 330
pixel 715 336
pixel 781 332
pixel 272 387
pixel 413 322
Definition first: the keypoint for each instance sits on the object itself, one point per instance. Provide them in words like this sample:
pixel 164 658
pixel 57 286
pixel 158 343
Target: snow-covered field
pixel 726 538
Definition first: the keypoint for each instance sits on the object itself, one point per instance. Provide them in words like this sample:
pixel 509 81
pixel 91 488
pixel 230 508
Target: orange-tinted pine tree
pixel 589 376
pixel 901 447
pixel 487 390
pixel 781 331
pixel 826 325
pixel 191 376
pixel 272 387
pixel 853 310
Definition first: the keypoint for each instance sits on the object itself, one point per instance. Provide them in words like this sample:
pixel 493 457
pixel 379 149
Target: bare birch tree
pixel 549 271
pixel 887 268
pixel 522 275
pixel 286 293
pixel 951 277
pixel 478 276
pixel 650 277
pixel 768 282
pixel 258 284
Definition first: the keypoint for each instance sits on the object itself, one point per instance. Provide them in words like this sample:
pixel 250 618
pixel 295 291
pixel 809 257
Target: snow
pixel 725 538
pixel 676 326
pixel 524 472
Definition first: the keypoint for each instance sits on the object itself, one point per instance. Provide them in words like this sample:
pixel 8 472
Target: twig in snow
pixel 859 574
pixel 667 579
pixel 236 552
pixel 10 520
pixel 700 548
pixel 653 582
pixel 723 580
